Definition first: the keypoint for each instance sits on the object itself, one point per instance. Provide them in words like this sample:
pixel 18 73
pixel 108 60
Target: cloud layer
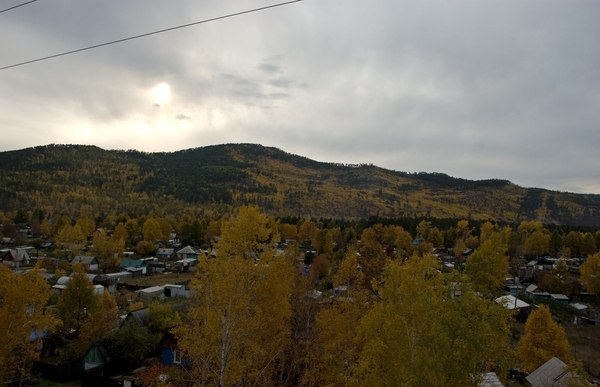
pixel 496 89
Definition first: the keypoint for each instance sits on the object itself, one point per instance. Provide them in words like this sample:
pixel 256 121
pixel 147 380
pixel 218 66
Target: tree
pixel 248 235
pixel 590 273
pixel 423 229
pixel 574 242
pixel 486 231
pixel 107 250
pixel 131 343
pixel 145 248
pixel 120 233
pixel 487 267
pixel 335 348
pixel 86 225
pixel 419 325
pixel 76 303
pixel 151 230
pixel 161 317
pixel 537 243
pixel 372 254
pixel 71 238
pixel 239 320
pixel 23 320
pixel 100 322
pixel 435 237
pixel 588 244
pixel 543 339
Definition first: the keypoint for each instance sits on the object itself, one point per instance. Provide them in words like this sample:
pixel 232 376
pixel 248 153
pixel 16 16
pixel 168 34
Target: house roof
pixel 132 263
pixel 532 288
pixel 85 260
pixel 16 255
pixel 490 379
pixel 141 316
pixel 164 251
pixel 559 297
pixel 552 373
pixel 579 306
pixel 511 302
pixel 187 250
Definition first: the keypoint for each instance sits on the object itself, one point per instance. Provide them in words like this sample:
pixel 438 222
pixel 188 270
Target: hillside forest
pixel 298 301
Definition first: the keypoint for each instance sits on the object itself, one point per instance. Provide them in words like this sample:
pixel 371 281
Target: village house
pixel 14 258
pixel 90 263
pixel 135 266
pixel 187 253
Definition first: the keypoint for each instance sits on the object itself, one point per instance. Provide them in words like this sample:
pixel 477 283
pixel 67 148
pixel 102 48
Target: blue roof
pixel 132 263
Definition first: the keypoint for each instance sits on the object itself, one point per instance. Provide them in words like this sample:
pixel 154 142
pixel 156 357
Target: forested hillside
pixel 65 177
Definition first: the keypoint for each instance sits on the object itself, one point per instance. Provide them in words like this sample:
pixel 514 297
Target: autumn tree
pixel 161 316
pixel 102 320
pixel 559 280
pixel 86 225
pixel 288 231
pixel 335 348
pixel 23 298
pixel 107 250
pixel 485 231
pixel 71 238
pixel 419 325
pixel 574 242
pixel 590 273
pixel 76 303
pixel 248 235
pixel 435 237
pixel 537 243
pixel 240 311
pixel 543 339
pixel 487 267
pixel 238 324
pixel 151 230
pixel 120 233
pixel 423 229
pixel 372 257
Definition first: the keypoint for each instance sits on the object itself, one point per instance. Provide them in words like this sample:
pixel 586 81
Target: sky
pixel 506 89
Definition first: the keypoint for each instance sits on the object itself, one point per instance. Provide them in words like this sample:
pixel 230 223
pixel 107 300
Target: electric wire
pixel 149 34
pixel 17 6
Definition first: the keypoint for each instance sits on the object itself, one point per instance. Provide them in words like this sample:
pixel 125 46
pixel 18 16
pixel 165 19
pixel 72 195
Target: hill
pixel 65 177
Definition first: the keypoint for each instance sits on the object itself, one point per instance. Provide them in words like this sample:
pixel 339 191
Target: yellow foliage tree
pixel 239 325
pixel 103 319
pixel 420 334
pixel 590 273
pixel 23 320
pixel 335 349
pixel 487 267
pixel 248 235
pixel 239 321
pixel 543 339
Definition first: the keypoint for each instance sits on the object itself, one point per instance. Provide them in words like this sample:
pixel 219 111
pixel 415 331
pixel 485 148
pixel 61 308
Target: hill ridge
pixel 67 176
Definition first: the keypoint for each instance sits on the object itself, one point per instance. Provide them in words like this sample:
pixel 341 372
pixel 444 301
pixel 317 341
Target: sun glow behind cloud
pixel 160 94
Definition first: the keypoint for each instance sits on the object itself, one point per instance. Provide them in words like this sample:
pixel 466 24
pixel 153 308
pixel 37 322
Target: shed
pixel 552 373
pixel 148 294
pixel 511 302
pixel 133 263
pixel 88 262
pixel 560 298
pixel 175 291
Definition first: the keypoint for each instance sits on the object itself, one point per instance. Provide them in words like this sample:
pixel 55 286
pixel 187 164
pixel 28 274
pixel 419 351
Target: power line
pixel 17 6
pixel 149 33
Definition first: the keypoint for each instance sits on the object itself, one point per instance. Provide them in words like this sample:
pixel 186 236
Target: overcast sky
pixel 475 89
